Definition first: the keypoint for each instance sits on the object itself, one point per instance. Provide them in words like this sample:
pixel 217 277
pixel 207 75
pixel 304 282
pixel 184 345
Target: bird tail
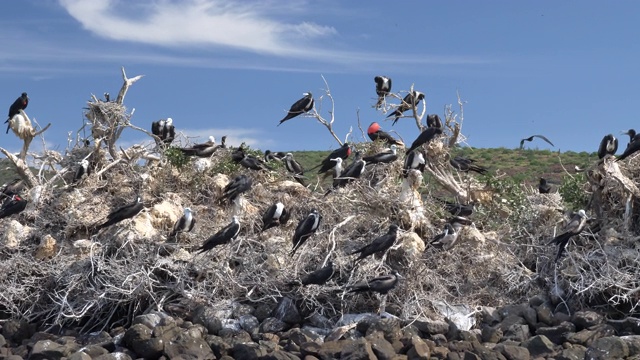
pixel 558 239
pixel 188 151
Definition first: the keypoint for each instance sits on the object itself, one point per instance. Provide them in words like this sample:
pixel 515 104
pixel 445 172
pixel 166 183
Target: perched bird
pixel 122 213
pixel 379 244
pixel 543 186
pixel 235 187
pixel 384 157
pixel 184 224
pixel 608 146
pixel 414 160
pixel 530 138
pixel 15 186
pixel 20 104
pixel 425 136
pixel 251 162
pixel 382 284
pixel 433 120
pixel 632 147
pixel 83 168
pixel 306 227
pixel 223 236
pixel 375 132
pixel 327 164
pixel 275 215
pixel 631 133
pixel 457 209
pixel 447 239
pixel 13 205
pixel 320 276
pixel 299 107
pixel 270 156
pixel 223 143
pixel 574 227
pixel 165 130
pixel 348 174
pixel 466 165
pixel 410 101
pixel 203 150
pixel 383 88
pixel 294 167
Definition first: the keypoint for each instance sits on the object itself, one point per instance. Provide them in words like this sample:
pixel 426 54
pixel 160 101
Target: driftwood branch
pixel 323 121
pixel 22 168
pixel 125 87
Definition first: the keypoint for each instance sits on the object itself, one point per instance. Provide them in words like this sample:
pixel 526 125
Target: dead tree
pixel 328 123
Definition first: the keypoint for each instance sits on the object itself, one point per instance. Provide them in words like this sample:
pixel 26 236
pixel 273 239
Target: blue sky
pixel 565 69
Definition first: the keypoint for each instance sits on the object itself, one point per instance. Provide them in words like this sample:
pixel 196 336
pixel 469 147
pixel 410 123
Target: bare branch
pixel 125 87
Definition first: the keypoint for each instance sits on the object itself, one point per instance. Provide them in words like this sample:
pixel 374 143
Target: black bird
pixel 122 213
pixel 269 156
pixel 411 100
pixel 20 104
pixel 447 239
pixel 165 130
pixel 294 167
pixel 543 186
pixel 299 107
pixel 185 224
pixel 433 120
pixel 384 157
pixel 457 209
pixel 425 136
pixel 379 244
pixel 632 147
pixel 608 145
pixel 383 88
pixel 83 168
pixel 203 150
pixel 15 186
pixel 415 160
pixel 223 236
pixel 275 215
pixel 382 284
pixel 375 132
pixel 319 276
pixel 235 187
pixel 251 162
pixel 631 133
pixel 306 227
pixel 530 138
pixel 574 227
pixel 327 164
pixel 13 205
pixel 465 165
pixel 350 173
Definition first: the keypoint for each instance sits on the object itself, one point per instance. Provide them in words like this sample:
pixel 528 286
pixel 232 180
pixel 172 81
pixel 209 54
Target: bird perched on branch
pixel 382 284
pixel 319 276
pixel 20 104
pixel 608 146
pixel 410 101
pixel 425 136
pixel 375 132
pixel 223 236
pixel 447 239
pixel 275 215
pixel 574 227
pixel 185 224
pixel 203 150
pixel 294 167
pixel 235 187
pixel 433 120
pixel 384 157
pixel 299 107
pixel 543 186
pixel 379 244
pixel 306 227
pixel 383 88
pixel 530 138
pixel 632 147
pixel 165 130
pixel 13 205
pixel 327 164
pixel 122 213
pixel 465 165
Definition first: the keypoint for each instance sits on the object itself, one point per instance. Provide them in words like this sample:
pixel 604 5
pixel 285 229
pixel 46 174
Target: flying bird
pixel 185 224
pixel 203 150
pixel 379 244
pixel 382 284
pixel 383 88
pixel 235 187
pixel 414 160
pixel 574 227
pixel 223 236
pixel 447 239
pixel 275 215
pixel 13 205
pixel 410 101
pixel 384 157
pixel 122 213
pixel 608 146
pixel 83 168
pixel 327 164
pixel 306 227
pixel 465 165
pixel 543 186
pixel 319 276
pixel 299 107
pixel 425 136
pixel 530 138
pixel 164 130
pixel 632 147
pixel 20 104
pixel 375 132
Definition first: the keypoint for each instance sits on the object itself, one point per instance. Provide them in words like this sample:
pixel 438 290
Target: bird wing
pixel 522 144
pixel 545 139
pixel 155 128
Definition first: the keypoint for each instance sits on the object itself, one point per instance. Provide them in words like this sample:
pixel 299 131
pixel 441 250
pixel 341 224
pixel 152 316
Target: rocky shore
pixel 531 330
